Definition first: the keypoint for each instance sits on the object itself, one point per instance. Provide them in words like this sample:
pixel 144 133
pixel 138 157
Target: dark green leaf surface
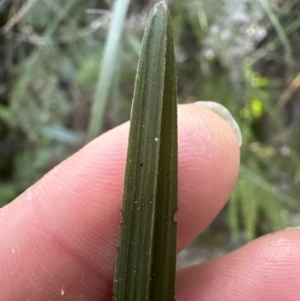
pixel 147 242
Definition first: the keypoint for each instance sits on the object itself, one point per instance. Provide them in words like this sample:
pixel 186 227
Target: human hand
pixel 58 240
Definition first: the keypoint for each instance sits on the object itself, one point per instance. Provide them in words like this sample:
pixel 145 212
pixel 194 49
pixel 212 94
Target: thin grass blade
pixel 107 68
pixel 280 31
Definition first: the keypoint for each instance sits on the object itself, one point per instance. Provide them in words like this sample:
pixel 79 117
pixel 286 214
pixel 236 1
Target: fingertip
pixel 74 211
pixel 267 268
pixel 224 113
pixel 209 159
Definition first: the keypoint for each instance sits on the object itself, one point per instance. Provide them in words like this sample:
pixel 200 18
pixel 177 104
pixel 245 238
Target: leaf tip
pixel 161 6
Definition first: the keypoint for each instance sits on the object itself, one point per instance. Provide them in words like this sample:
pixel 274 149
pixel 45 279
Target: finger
pixel 208 168
pixel 265 269
pixel 61 234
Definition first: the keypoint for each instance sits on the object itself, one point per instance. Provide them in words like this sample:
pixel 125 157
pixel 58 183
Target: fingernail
pixel 288 228
pixel 225 114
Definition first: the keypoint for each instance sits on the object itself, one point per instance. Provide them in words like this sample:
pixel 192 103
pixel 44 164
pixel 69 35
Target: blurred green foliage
pixel 244 54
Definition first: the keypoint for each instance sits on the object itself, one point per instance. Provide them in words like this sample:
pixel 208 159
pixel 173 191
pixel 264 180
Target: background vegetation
pixel 244 54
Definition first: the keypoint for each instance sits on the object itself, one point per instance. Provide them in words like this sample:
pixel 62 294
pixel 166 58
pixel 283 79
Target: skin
pixel 58 239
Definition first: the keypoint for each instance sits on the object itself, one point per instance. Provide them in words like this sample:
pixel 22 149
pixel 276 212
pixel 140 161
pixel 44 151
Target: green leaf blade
pixel 107 68
pixel 166 229
pixel 147 243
